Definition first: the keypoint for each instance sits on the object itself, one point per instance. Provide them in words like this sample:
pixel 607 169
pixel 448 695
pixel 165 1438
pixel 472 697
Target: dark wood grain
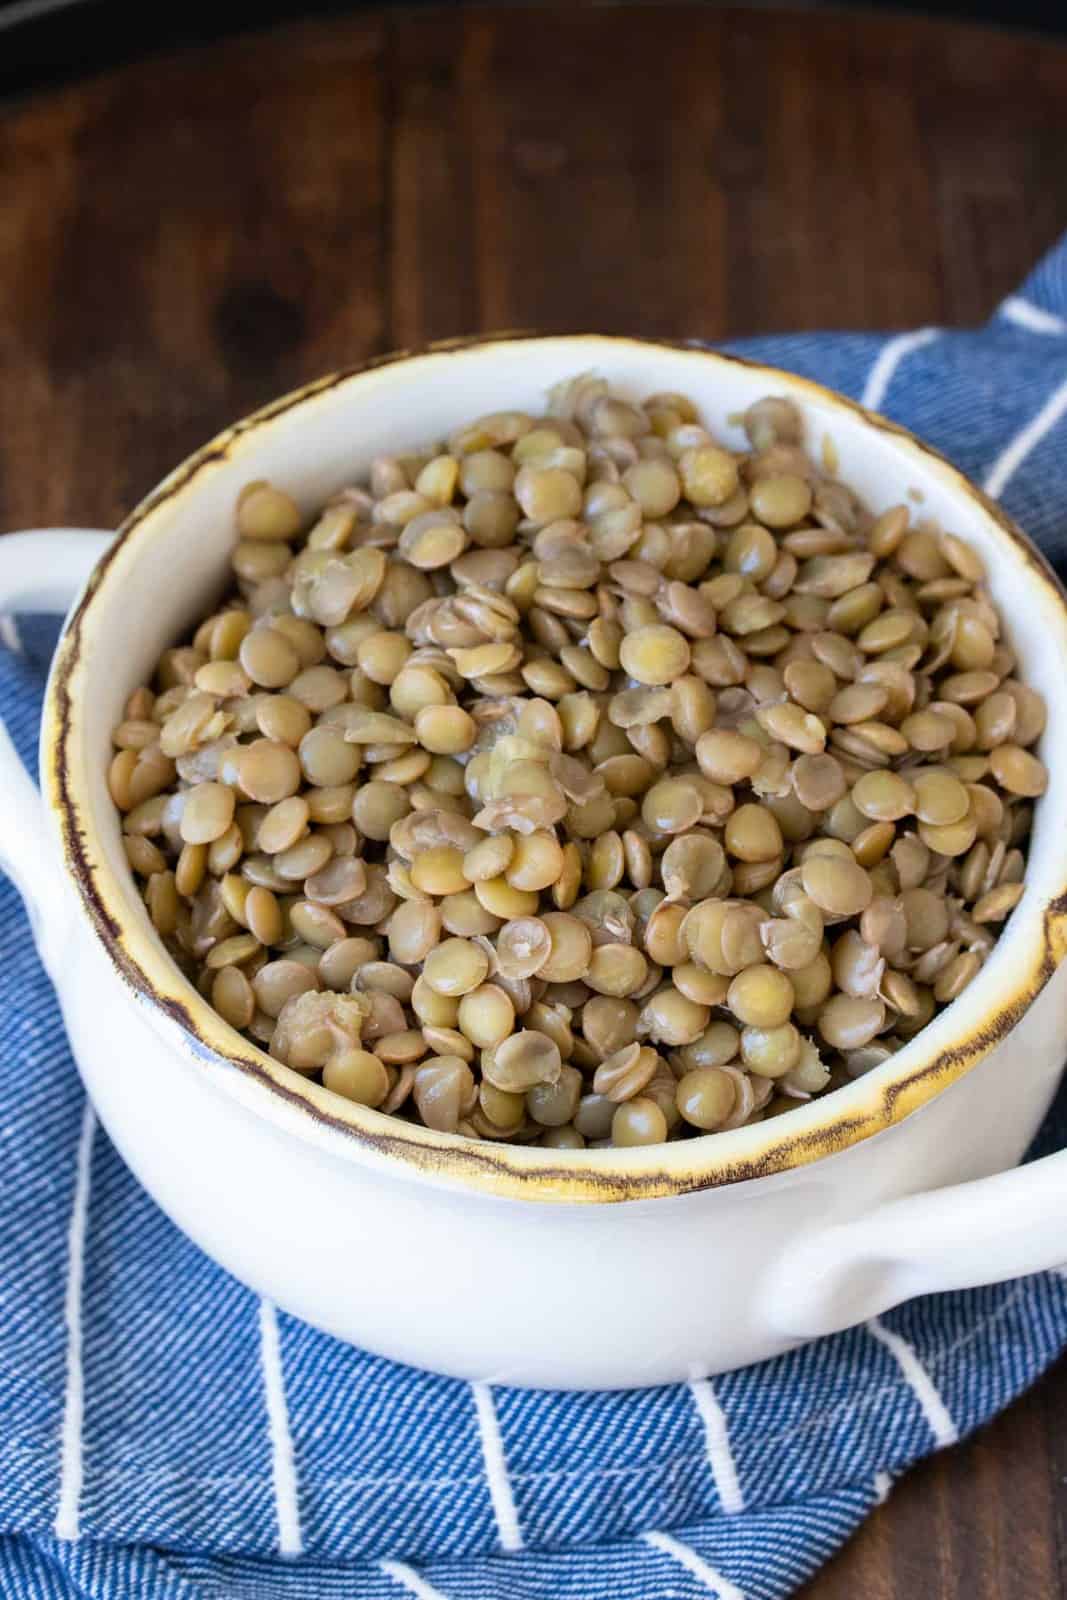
pixel 186 237
pixel 985 1521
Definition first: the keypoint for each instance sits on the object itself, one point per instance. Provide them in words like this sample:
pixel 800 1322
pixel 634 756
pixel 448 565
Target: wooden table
pixel 188 236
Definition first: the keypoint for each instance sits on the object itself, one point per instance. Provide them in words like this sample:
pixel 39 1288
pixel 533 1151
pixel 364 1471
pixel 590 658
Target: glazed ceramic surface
pixel 593 1268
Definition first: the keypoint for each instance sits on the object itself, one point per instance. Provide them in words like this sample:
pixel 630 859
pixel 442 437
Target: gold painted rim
pixel 821 1127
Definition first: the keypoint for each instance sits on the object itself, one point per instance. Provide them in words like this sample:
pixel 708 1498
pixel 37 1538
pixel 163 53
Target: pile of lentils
pixel 583 781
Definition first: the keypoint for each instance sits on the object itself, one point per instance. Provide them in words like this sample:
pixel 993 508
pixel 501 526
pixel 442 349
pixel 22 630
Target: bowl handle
pixel 41 571
pixel 959 1237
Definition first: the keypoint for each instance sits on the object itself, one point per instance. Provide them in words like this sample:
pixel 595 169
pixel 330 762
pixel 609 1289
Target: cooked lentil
pixel 584 781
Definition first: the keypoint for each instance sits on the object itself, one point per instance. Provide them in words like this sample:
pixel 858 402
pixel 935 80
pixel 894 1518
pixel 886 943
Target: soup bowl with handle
pixel 513 1263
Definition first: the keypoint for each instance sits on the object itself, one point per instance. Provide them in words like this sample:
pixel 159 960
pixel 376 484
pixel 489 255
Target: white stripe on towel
pixel 889 358
pixel 9 635
pixel 1027 439
pixel 686 1557
pixel 70 1457
pixel 717 1441
pixel 1034 318
pixel 883 1483
pixel 496 1468
pixel 919 1381
pixel 282 1464
pixel 409 1579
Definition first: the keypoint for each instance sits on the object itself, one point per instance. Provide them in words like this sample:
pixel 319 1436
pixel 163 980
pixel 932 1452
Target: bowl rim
pixel 870 1105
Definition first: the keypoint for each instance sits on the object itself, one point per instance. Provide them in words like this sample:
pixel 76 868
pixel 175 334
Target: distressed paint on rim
pixel 869 1106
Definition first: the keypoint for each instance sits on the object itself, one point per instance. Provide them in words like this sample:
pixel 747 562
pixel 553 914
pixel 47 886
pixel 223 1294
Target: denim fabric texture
pixel 226 1450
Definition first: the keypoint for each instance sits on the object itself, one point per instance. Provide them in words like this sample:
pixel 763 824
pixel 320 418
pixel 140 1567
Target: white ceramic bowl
pixel 515 1264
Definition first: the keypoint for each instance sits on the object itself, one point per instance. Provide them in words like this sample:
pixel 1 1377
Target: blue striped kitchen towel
pixel 166 1434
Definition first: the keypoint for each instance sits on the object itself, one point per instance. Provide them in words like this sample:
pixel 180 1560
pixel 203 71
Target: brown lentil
pixel 837 884
pixel 1017 771
pixel 491 816
pixel 455 967
pixel 523 1060
pixel 626 1072
pixel 761 997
